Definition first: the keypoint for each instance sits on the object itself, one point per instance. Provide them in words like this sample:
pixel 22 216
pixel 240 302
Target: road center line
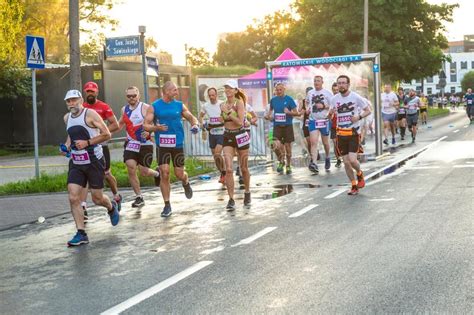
pixel 335 194
pixel 382 199
pixel 422 167
pixel 463 166
pixel 457 130
pixel 252 238
pixel 302 211
pixel 156 288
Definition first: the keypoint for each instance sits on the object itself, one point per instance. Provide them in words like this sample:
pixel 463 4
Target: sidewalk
pixel 18 210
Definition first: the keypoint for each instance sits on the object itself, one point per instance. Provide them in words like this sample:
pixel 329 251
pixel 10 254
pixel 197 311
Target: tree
pixel 198 57
pixel 467 81
pixel 407 33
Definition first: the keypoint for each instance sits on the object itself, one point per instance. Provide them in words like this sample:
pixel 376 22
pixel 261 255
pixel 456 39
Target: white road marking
pixel 455 131
pixel 252 238
pixel 302 211
pixel 212 250
pixel 382 199
pixel 140 297
pixel 463 166
pixel 422 167
pixel 466 126
pixel 335 194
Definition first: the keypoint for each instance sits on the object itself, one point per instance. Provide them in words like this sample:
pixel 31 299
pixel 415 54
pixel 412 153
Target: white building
pixel 460 64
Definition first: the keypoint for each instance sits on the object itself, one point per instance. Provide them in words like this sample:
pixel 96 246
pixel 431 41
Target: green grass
pixel 434 112
pixel 44 150
pixel 57 183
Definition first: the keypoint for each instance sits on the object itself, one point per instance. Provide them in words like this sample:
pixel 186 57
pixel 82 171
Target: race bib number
pixel 469 102
pixel 80 157
pixel 321 123
pixel 279 117
pixel 214 120
pixel 344 119
pixel 167 141
pixel 401 110
pixel 242 139
pixel 133 146
pixel 217 131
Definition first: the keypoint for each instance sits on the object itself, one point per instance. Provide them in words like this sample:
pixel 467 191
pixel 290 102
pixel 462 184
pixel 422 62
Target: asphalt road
pixel 404 244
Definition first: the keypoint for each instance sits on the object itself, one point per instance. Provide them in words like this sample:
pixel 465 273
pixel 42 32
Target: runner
pixel 302 107
pixel 212 110
pixel 284 109
pixel 169 136
pixel 366 122
pixel 335 91
pixel 389 112
pixel 235 137
pixel 469 99
pixel 413 104
pixel 318 100
pixel 86 130
pixel 91 90
pixel 402 114
pixel 351 109
pixel 138 148
pixel 424 109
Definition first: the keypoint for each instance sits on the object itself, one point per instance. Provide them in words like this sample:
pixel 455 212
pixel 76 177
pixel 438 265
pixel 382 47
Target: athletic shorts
pixel 470 110
pixel 105 149
pixel 92 174
pixel 283 133
pixel 215 140
pixel 324 130
pixel 423 110
pixel 348 144
pixel 143 158
pixel 401 116
pixel 412 120
pixel 166 155
pixel 389 117
pixel 238 138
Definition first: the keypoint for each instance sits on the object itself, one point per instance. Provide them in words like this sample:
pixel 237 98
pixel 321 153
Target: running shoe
pixel 360 181
pixel 288 170
pixel 313 168
pixel 338 163
pixel 280 167
pixel 138 202
pixel 241 180
pixel 157 178
pixel 78 239
pixel 230 205
pixel 118 200
pixel 393 140
pixel 385 142
pixel 327 164
pixel 114 214
pixel 188 191
pixel 222 179
pixel 354 191
pixel 247 199
pixel 166 211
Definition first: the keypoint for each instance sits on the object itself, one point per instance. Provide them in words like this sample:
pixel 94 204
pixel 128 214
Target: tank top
pixel 77 129
pixel 133 119
pixel 169 114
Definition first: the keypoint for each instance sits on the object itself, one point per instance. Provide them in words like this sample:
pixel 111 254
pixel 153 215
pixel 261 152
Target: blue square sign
pixel 35 52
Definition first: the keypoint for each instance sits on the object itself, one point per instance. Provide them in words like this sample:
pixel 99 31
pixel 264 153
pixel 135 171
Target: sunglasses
pixel 132 96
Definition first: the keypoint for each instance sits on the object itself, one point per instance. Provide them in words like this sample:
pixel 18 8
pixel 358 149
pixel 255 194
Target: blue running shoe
pixel 166 211
pixel 327 164
pixel 118 200
pixel 393 140
pixel 78 239
pixel 114 214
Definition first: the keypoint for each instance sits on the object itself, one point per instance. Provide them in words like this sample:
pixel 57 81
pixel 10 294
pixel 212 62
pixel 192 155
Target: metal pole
pixel 35 123
pixel 366 27
pixel 142 30
pixel 377 108
pixel 74 46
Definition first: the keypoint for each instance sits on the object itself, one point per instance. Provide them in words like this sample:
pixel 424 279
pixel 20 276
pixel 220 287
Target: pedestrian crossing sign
pixel 35 52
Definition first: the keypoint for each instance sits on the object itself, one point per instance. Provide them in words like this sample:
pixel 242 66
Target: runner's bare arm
pixel 189 116
pixel 113 124
pixel 94 120
pixel 148 123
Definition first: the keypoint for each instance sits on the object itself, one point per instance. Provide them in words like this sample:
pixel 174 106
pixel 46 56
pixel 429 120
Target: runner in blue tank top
pixel 164 118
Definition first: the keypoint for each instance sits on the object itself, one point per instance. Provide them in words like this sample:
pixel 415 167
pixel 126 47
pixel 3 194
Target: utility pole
pixel 74 48
pixel 366 27
pixel 186 54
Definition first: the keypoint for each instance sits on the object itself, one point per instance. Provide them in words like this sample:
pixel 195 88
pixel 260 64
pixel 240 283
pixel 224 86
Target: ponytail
pixel 241 96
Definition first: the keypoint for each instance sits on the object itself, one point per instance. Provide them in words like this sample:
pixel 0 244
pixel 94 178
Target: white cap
pixel 72 94
pixel 232 84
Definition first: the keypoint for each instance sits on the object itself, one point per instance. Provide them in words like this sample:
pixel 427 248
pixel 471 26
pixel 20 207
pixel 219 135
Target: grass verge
pixel 434 112
pixel 57 183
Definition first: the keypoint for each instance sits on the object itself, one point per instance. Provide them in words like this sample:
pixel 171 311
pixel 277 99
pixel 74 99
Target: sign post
pixel 35 60
pixel 142 30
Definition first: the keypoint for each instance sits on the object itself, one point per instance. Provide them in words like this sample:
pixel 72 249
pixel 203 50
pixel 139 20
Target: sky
pixel 198 23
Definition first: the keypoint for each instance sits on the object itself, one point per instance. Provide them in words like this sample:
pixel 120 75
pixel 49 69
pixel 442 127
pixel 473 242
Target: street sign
pixel 152 63
pixel 376 67
pixel 320 61
pixel 122 46
pixel 35 52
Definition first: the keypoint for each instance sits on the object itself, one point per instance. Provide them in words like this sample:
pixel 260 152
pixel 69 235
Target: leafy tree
pixel 467 81
pixel 198 57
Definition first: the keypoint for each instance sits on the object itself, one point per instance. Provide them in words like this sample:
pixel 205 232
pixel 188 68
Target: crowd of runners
pixel 339 117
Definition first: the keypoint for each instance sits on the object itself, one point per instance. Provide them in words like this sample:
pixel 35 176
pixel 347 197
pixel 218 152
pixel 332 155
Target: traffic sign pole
pixel 142 30
pixel 35 122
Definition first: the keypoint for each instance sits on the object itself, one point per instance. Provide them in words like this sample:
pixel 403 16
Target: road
pixel 404 244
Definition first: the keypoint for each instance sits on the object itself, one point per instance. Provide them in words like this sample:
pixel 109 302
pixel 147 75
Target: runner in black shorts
pixel 138 149
pixel 402 113
pixel 86 130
